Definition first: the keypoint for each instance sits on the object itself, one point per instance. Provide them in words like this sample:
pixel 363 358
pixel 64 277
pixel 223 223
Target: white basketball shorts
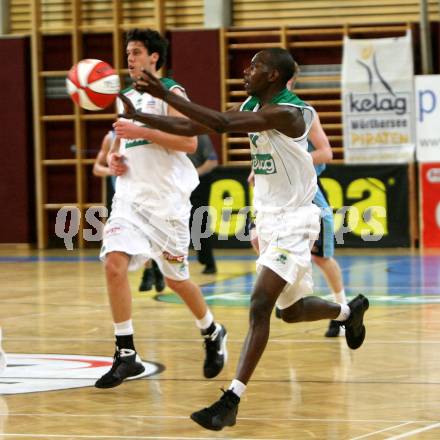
pixel 285 241
pixel 142 236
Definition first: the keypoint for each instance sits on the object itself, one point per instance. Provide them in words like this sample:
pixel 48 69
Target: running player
pixel 151 274
pixel 150 214
pixel 324 248
pixel 287 220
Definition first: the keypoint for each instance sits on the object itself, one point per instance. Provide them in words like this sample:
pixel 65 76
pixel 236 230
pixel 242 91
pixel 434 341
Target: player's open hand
pixel 129 109
pixel 127 130
pixel 149 83
pixel 116 163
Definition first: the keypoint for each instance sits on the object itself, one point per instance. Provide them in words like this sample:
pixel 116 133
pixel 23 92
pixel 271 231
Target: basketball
pixel 93 84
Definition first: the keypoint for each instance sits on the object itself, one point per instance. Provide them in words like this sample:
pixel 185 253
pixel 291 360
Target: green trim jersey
pixel 159 179
pixel 285 178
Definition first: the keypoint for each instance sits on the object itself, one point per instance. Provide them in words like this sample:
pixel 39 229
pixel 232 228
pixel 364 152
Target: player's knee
pixel 260 309
pixel 294 313
pixel 113 267
pixel 316 259
pixel 176 285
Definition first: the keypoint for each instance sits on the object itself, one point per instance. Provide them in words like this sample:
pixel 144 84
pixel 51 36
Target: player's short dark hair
pixel 152 40
pixel 282 60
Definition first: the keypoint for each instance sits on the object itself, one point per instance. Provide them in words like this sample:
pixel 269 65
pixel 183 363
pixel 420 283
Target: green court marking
pixel 231 299
pixel 242 299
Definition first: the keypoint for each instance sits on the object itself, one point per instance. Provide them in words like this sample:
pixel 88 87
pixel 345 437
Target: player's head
pixel 270 67
pixel 145 49
pixel 292 81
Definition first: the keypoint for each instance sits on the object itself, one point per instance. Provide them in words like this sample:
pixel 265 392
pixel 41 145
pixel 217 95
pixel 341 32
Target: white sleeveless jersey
pixel 285 178
pixel 158 179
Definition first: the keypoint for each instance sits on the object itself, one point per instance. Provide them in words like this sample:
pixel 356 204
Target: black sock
pixel 125 341
pixel 210 330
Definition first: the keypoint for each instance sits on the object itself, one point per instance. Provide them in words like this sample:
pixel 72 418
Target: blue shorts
pixel 325 245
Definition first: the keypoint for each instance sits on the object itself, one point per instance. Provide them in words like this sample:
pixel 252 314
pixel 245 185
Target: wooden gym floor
pixel 58 334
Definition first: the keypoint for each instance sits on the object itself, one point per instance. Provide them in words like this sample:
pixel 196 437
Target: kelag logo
pixel 380 102
pixel 263 164
pixel 377 89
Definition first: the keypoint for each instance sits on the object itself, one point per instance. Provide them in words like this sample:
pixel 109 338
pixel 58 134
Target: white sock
pixel 344 313
pixel 237 387
pixel 124 328
pixel 206 321
pixel 340 297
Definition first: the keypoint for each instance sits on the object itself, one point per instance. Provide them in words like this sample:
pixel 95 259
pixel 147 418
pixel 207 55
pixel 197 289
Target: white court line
pixel 39 315
pixel 381 430
pixel 276 419
pixel 134 437
pixel 147 437
pixel 238 341
pixel 415 431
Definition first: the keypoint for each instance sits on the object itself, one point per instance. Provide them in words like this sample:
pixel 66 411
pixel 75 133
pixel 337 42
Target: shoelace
pixel 116 361
pixel 211 340
pixel 221 405
pixel 213 335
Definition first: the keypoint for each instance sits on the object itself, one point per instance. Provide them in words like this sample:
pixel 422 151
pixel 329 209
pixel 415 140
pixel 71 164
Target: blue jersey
pixel 320 167
pixel 325 244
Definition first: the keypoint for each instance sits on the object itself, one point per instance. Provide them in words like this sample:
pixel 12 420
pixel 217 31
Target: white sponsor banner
pixel 378 107
pixel 428 117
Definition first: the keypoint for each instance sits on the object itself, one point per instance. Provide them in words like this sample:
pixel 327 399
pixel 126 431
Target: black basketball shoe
pixel 209 269
pixel 147 280
pixel 222 413
pixel 354 325
pixel 216 352
pixel 124 365
pixel 159 281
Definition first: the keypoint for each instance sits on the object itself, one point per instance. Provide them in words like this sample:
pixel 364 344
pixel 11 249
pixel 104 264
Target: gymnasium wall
pixel 17 194
pixel 194 61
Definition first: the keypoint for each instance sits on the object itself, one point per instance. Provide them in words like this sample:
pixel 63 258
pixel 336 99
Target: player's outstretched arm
pixel 287 120
pixel 168 124
pixel 205 116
